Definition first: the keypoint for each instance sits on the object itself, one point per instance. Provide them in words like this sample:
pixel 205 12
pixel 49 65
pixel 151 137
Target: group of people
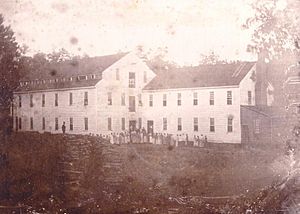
pixel 141 136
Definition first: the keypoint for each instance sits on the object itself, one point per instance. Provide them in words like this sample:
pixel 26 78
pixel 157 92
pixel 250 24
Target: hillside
pixel 84 174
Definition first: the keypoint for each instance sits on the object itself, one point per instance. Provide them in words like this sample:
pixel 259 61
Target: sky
pixel 187 29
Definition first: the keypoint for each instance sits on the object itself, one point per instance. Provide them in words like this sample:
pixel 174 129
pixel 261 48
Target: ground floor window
pixel 140 123
pixel 86 123
pixel 165 124
pixel 212 124
pixel 43 123
pixel 31 123
pixel 20 123
pixel 71 124
pixel 179 125
pixel 123 123
pixel 298 109
pixel 229 125
pixel 195 124
pixel 56 123
pixel 109 124
pixel 257 126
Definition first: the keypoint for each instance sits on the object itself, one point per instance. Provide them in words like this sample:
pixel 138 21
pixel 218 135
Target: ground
pixel 48 173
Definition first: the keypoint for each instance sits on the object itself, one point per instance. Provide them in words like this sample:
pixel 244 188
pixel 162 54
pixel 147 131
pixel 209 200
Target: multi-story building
pixel 108 94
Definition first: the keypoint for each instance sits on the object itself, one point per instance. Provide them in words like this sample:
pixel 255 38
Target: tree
pixel 276 27
pixel 10 64
pixel 210 59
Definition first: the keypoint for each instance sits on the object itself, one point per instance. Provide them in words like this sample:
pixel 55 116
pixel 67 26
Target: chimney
pixel 261 80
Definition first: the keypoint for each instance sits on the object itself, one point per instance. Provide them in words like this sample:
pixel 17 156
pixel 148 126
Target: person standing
pixel 63 127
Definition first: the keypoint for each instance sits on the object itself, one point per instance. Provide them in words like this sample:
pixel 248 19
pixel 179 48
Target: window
pixel 20 123
pixel 140 99
pixel 123 99
pixel 151 100
pixel 43 124
pixel 249 97
pixel 86 98
pixel 109 124
pixel 43 100
pixel 131 103
pixel 86 123
pixel 17 125
pixel 195 95
pixel 70 98
pixel 131 80
pixel 164 100
pixel 123 123
pixel 165 124
pixel 109 98
pixel 257 126
pixel 179 124
pixel 229 124
pixel 71 123
pixel 195 124
pixel 31 100
pixel 140 123
pixel 298 109
pixel 31 123
pixel 211 98
pixel 56 123
pixel 117 74
pixel 212 124
pixel 56 100
pixel 179 99
pixel 82 77
pixel 20 101
pixel 229 97
pixel 145 76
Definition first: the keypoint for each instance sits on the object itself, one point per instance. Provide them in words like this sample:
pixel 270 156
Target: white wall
pixel 248 84
pixel 109 83
pixel 187 111
pixel 63 111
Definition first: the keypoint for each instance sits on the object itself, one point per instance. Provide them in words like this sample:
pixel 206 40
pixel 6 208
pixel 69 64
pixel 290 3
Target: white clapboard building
pixel 108 94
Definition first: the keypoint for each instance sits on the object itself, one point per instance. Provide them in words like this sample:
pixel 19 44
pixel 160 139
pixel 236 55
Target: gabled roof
pixel 62 71
pixel 200 76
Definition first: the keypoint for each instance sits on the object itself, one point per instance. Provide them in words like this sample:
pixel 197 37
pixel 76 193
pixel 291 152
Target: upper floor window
pixel 70 98
pixel 123 99
pixel 43 100
pixel 86 123
pixel 249 97
pixel 56 100
pixel 145 76
pixel 131 80
pixel 165 124
pixel 151 100
pixel 211 98
pixel 86 98
pixel 195 96
pixel 109 98
pixel 195 124
pixel 229 97
pixel 117 74
pixel 230 124
pixel 257 126
pixel 179 99
pixel 164 100
pixel 31 100
pixel 212 124
pixel 179 124
pixel 82 77
pixel 20 101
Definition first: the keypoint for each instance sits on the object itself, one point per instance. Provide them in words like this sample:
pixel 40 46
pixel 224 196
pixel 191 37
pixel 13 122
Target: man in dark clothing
pixel 63 127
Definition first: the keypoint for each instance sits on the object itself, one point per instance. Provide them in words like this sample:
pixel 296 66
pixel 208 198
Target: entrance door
pixel 132 125
pixel 150 126
pixel 131 103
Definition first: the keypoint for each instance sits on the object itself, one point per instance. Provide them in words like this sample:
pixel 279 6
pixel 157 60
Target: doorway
pixel 150 126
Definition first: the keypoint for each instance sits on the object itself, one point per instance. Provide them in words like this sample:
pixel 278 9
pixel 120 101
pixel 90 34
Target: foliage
pixel 10 64
pixel 276 27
